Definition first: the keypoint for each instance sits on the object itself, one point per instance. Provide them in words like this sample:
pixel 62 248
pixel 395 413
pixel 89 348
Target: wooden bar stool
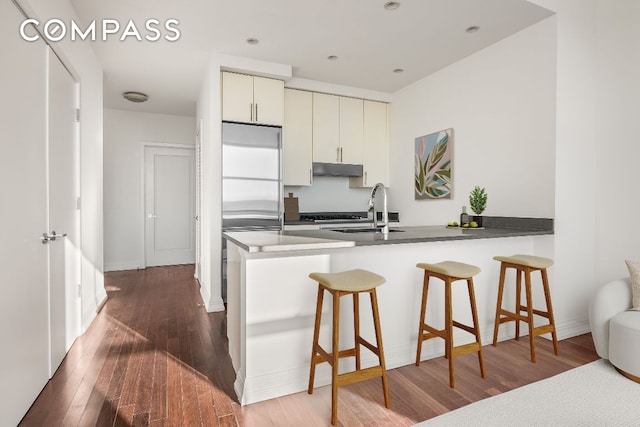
pixel 525 264
pixel 449 272
pixel 351 282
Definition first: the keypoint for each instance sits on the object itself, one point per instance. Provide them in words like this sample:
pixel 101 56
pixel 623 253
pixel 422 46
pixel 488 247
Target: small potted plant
pixel 478 203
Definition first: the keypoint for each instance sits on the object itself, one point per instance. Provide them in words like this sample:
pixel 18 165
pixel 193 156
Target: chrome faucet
pixel 385 211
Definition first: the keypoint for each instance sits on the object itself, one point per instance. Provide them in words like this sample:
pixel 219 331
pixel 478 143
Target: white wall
pixel 616 172
pixel 501 104
pixel 125 133
pixel 330 194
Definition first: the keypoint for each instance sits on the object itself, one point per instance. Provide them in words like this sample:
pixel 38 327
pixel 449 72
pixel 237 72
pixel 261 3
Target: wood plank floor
pixel 155 357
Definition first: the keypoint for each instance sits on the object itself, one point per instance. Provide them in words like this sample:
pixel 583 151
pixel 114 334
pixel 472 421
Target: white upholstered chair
pixel 615 328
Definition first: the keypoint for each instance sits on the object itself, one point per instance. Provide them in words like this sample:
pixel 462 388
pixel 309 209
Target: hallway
pixel 154 356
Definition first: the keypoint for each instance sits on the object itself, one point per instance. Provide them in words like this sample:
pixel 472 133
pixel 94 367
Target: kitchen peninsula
pixel 271 300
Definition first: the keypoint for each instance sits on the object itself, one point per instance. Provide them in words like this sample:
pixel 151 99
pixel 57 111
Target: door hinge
pixel 79 291
pixel 78 203
pixel 77 118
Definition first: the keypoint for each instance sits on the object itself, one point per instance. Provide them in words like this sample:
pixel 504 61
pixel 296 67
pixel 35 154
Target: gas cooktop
pixel 333 216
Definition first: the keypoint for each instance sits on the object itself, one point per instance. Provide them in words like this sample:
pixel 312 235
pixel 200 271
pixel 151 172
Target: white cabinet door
pixel 249 99
pixel 268 100
pixel 351 122
pixel 297 137
pixel 376 146
pixel 326 128
pixel 237 97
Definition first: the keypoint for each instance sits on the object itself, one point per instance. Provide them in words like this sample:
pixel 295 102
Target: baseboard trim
pixel 102 304
pixel 121 266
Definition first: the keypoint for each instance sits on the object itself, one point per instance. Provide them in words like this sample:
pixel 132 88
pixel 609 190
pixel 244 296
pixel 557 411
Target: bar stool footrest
pixel 545 329
pixel 473 347
pixel 357 376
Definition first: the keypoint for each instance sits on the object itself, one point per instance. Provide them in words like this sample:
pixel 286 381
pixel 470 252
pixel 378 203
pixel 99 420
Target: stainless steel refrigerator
pixel 252 193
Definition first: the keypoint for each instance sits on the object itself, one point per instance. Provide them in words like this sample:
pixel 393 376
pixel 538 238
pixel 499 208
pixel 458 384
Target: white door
pixel 64 189
pixel 169 206
pixel 24 366
pixel 198 155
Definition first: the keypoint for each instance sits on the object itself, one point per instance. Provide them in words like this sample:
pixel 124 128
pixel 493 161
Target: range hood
pixel 336 169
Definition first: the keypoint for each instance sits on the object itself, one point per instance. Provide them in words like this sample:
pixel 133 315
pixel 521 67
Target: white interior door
pixel 23 214
pixel 64 189
pixel 169 206
pixel 198 155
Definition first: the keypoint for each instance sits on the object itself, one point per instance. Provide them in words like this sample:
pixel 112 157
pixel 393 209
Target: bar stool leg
pixel 316 334
pixel 449 331
pixel 532 340
pixel 335 354
pixel 376 324
pixel 476 328
pixel 518 309
pixel 423 308
pixel 356 327
pixel 503 269
pixel 547 297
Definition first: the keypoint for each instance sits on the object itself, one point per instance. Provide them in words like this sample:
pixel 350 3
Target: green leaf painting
pixel 433 179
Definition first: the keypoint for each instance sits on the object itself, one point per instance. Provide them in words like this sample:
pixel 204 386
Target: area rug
pixel 594 394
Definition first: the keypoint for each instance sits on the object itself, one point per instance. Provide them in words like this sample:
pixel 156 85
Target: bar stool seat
pixel 449 272
pixel 352 282
pixel 525 265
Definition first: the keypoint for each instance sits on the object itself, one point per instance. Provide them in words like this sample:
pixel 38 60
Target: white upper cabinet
pixel 337 129
pixel 351 131
pixel 375 147
pixel 326 128
pixel 297 137
pixel 250 99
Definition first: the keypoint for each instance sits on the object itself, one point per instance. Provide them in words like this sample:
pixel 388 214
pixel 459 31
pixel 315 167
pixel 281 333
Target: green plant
pixel 478 200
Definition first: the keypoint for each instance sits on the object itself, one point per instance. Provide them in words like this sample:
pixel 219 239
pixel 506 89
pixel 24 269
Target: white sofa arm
pixel 606 302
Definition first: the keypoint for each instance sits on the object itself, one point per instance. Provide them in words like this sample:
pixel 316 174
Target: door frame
pixel 143 207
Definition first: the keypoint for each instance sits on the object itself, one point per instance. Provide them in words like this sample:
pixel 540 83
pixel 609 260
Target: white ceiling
pixel 421 36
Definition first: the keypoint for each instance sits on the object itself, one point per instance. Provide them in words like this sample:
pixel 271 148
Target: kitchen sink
pixel 363 230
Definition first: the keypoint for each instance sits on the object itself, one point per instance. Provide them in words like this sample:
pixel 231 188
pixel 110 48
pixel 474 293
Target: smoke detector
pixel 135 96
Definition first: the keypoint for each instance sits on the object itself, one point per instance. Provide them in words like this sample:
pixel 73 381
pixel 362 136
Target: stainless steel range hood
pixel 336 169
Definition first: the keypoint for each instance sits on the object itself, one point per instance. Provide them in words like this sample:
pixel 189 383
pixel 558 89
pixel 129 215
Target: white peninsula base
pixel 271 303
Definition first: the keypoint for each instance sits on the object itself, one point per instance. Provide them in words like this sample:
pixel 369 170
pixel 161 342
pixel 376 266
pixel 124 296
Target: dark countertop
pixel 495 227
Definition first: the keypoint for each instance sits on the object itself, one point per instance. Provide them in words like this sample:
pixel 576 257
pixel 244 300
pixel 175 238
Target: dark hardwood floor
pixel 154 356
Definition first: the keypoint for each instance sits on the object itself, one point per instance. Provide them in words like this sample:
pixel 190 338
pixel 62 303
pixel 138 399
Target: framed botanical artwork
pixel 433 162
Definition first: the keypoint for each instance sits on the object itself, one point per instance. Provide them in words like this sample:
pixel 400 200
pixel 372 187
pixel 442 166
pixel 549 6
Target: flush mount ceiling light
pixel 391 5
pixel 398 70
pixel 252 40
pixel 472 29
pixel 332 57
pixel 135 96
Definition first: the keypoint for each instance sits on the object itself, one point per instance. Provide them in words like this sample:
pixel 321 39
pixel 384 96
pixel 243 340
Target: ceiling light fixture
pixel 391 5
pixel 398 70
pixel 252 40
pixel 332 57
pixel 472 29
pixel 135 96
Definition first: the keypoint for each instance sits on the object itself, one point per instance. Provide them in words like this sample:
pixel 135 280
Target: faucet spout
pixel 385 211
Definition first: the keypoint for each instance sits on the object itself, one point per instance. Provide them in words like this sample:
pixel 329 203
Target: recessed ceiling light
pixel 252 40
pixel 399 70
pixel 332 57
pixel 391 5
pixel 472 29
pixel 135 96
